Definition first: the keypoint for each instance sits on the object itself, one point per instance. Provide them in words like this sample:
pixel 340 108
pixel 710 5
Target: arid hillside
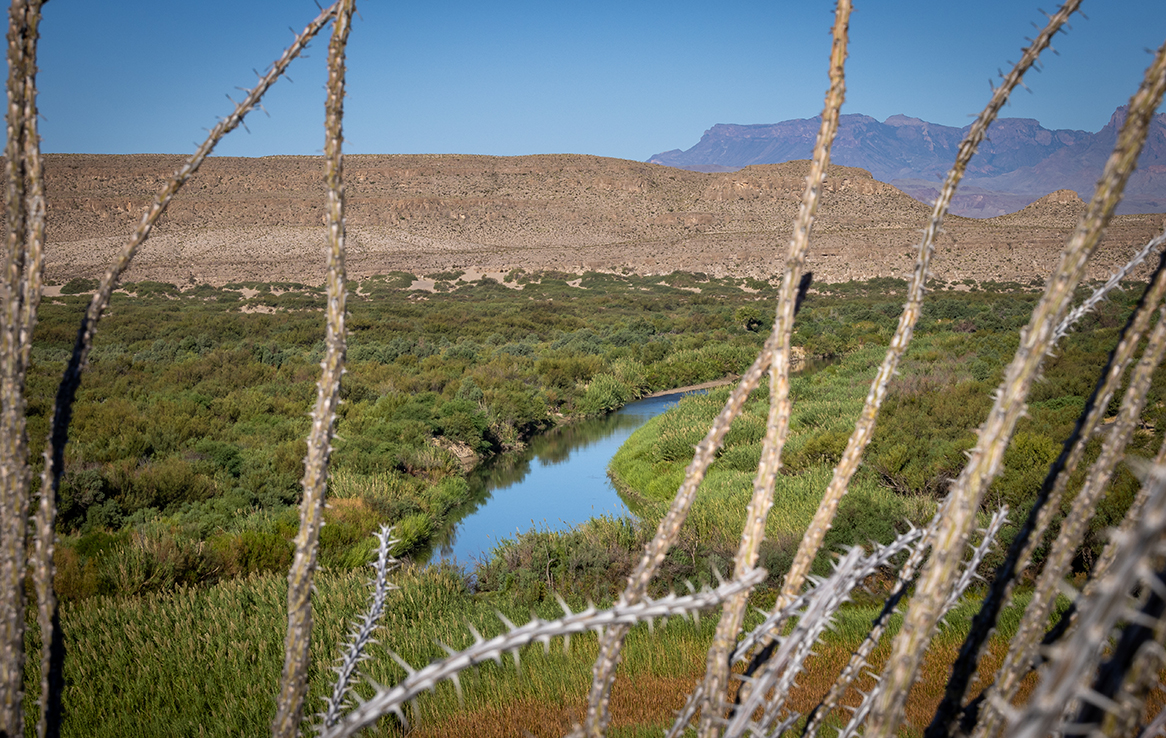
pixel 262 219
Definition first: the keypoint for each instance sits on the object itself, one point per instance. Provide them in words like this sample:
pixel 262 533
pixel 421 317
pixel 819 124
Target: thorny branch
pixel 20 292
pixel 986 458
pixel 294 682
pixel 1134 553
pixel 777 423
pixel 361 637
pixel 390 700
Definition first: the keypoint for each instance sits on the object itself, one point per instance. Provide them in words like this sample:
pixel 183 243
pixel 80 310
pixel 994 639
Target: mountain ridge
pixel 1018 163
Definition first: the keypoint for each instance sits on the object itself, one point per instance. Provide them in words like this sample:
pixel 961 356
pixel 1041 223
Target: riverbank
pixel 510 494
pixel 651 467
pixel 204 456
pixel 695 387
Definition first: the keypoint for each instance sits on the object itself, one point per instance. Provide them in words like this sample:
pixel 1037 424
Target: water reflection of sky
pixel 558 482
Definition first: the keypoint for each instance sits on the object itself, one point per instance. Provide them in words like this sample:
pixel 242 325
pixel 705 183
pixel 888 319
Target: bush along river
pixel 559 481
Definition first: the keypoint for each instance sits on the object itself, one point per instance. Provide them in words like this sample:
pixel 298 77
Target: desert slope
pixel 262 219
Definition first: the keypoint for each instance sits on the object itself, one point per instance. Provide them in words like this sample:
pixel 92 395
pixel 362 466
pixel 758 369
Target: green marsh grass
pixel 201 660
pixel 191 419
pixel 651 464
pixel 660 668
pixel 919 443
pixel 227 637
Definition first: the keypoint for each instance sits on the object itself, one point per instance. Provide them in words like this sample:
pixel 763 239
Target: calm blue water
pixel 559 481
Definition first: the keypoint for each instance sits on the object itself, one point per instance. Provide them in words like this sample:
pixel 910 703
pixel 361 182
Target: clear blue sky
pixel 625 79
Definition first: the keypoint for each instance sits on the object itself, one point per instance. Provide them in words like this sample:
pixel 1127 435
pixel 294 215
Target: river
pixel 557 482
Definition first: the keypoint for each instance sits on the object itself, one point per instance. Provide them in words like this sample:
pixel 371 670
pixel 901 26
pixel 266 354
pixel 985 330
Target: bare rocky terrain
pixel 261 219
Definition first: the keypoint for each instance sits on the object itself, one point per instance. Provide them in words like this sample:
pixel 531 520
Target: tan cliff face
pixel 262 219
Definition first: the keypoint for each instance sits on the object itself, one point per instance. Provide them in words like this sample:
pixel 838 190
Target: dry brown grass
pixel 652 701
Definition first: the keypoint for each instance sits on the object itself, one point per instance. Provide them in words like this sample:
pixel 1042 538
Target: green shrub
pixel 225 456
pixel 632 375
pixel 248 552
pixel 749 317
pixel 155 559
pixel 78 285
pixel 462 420
pixel 823 447
pixel 80 491
pixel 412 531
pixel 592 560
pixel 1026 464
pixel 149 288
pixel 564 372
pixel 604 394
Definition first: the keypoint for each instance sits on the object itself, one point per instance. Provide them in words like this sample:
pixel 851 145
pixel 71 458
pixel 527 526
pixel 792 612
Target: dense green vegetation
pixel 942 394
pixel 178 504
pixel 219 650
pixel 188 437
pixel 651 465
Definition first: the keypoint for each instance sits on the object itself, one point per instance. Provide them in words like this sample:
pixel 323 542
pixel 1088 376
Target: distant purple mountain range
pixel 1020 162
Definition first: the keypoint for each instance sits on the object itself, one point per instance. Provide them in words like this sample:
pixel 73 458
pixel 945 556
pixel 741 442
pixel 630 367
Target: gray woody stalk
pixel 1068 672
pixel 859 659
pixel 986 458
pixel 864 429
pixel 965 579
pixel 1023 647
pixel 294 682
pixel 777 425
pixel 1040 514
pixel 21 288
pixel 62 409
pixel 611 642
pixel 787 663
pixel 52 679
pixel 1132 515
pixel 20 291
